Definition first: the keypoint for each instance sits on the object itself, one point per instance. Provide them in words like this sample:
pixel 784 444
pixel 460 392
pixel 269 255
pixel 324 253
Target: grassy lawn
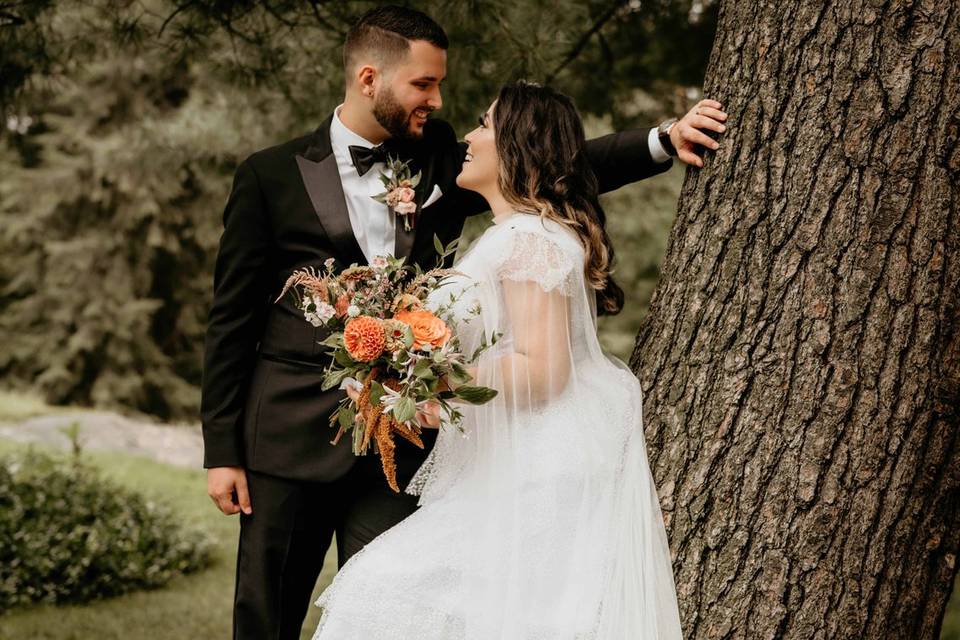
pixel 16 406
pixel 194 606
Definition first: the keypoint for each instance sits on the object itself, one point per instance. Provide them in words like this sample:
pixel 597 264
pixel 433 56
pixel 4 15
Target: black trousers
pixel 284 541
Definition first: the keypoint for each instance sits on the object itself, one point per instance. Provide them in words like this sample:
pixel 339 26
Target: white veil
pixel 564 534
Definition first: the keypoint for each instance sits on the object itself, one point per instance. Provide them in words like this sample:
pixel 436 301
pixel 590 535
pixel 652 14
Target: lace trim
pixel 532 257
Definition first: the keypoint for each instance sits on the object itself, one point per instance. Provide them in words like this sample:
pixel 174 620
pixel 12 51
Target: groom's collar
pixel 320 147
pixel 342 137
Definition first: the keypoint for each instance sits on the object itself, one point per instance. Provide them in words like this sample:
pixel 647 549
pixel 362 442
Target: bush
pixel 68 536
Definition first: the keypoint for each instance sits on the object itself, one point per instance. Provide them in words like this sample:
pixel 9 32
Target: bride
pixel 541 520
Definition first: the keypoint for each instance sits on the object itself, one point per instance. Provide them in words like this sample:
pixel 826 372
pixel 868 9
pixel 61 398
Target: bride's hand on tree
pixel 686 134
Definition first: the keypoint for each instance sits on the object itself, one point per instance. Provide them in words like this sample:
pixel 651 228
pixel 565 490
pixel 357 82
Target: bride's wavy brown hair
pixel 544 168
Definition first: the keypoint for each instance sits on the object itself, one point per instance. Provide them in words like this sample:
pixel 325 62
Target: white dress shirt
pixel 373 225
pixel 657 152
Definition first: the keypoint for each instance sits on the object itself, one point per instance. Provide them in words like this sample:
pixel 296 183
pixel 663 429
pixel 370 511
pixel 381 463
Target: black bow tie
pixel 365 157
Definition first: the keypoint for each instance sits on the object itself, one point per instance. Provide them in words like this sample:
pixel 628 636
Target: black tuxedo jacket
pixel 261 403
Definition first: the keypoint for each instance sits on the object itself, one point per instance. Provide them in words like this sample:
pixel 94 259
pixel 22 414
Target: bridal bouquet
pixel 385 340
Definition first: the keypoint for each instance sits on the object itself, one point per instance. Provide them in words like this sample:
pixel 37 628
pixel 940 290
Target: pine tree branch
pixel 585 38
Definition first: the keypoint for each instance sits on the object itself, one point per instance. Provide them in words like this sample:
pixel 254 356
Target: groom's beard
pixel 393 117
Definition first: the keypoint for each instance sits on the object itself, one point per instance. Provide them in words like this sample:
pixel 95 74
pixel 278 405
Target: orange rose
pixel 427 328
pixel 364 338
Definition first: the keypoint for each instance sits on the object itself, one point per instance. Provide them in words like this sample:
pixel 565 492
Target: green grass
pixel 193 606
pixel 16 406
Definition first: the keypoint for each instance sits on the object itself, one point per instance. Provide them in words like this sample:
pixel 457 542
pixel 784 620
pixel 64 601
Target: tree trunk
pixel 801 359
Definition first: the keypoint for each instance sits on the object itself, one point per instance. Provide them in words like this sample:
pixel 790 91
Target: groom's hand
pixel 686 134
pixel 227 487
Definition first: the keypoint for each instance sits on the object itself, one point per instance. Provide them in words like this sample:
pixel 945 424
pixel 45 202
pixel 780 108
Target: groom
pixel 265 421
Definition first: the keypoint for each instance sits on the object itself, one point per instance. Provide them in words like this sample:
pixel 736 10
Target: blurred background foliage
pixel 124 122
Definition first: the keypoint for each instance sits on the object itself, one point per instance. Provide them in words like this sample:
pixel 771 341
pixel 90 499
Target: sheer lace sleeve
pixel 531 256
pixel 539 272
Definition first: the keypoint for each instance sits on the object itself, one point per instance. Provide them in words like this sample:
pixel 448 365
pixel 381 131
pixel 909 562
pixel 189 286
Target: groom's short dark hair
pixel 387 31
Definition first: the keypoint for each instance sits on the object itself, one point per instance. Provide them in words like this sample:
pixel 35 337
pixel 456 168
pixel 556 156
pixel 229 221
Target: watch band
pixel 663 134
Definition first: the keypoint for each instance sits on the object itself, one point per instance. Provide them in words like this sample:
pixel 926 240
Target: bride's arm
pixel 538 366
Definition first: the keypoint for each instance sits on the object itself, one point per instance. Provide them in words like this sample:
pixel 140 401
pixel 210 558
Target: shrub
pixel 67 535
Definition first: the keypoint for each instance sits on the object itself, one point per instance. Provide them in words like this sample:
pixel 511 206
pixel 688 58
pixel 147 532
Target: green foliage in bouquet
pixel 69 536
pixel 388 336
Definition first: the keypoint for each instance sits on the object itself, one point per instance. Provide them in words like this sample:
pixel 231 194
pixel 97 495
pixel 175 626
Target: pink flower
pixel 406 194
pixel 379 263
pixel 404 208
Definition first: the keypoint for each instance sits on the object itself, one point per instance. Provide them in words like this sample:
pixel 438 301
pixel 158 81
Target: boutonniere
pixel 399 195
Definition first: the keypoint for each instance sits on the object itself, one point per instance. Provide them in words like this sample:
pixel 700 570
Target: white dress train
pixel 541 521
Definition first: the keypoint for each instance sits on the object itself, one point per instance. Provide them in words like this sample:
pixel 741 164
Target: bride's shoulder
pixel 527 247
pixel 540 231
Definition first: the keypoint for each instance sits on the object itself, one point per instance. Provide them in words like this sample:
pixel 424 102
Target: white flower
pixel 322 312
pixel 389 399
pixel 325 311
pixel 353 311
pixel 328 263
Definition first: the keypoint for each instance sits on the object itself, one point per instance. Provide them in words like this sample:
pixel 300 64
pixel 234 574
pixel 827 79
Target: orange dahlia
pixel 427 328
pixel 364 338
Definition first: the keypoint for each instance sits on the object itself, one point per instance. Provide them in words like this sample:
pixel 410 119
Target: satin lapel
pixel 321 178
pixel 404 239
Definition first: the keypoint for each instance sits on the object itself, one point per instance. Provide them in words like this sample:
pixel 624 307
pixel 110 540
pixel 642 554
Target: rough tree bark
pixel 801 360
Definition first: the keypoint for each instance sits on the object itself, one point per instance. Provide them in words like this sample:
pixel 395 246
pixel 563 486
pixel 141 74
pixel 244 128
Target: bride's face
pixel 479 171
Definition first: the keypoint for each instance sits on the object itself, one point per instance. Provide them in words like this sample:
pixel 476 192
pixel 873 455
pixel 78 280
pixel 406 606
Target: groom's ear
pixel 366 79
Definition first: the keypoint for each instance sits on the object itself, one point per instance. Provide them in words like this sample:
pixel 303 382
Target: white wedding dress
pixel 541 520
